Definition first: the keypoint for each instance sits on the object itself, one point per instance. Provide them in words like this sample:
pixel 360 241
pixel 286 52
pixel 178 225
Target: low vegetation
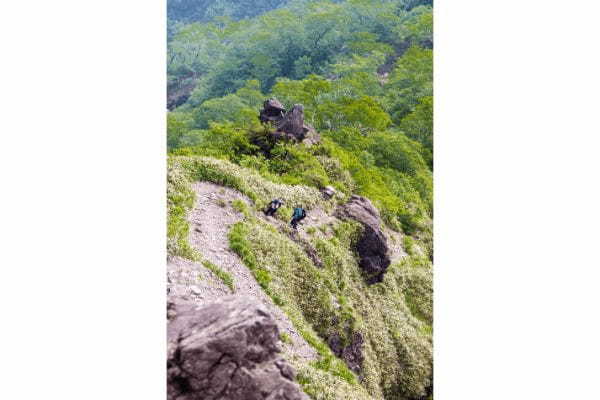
pixel 224 276
pixel 335 299
pixel 394 317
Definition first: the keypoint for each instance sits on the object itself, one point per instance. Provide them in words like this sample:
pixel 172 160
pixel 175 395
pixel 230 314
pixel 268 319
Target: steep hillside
pixel 389 323
pixel 351 86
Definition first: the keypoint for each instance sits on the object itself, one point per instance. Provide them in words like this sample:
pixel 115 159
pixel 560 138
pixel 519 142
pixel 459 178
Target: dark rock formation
pixel 352 353
pixel 372 245
pixel 293 123
pixel 311 136
pixel 226 350
pixel 273 111
pixel 289 125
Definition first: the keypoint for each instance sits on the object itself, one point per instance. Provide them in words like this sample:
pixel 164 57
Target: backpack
pixel 299 213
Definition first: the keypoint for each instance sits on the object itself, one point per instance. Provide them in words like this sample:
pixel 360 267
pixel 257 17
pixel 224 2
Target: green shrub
pixel 285 338
pixel 394 336
pixel 180 199
pixel 241 207
pixel 247 181
pixel 224 276
pixel 408 245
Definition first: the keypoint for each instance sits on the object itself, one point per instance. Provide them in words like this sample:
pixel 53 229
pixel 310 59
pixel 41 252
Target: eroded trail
pixel 210 222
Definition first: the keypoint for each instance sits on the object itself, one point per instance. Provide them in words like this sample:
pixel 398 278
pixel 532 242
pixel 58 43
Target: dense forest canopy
pixel 206 10
pixel 363 70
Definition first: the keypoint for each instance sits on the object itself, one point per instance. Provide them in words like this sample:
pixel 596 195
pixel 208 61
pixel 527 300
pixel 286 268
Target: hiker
pixel 299 215
pixel 273 207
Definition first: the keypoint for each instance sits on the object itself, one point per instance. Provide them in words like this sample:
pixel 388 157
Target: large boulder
pixel 289 125
pixel 372 246
pixel 227 350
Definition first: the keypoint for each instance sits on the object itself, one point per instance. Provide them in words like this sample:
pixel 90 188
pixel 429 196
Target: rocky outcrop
pixel 227 350
pixel 292 123
pixel 352 354
pixel 328 192
pixel 289 125
pixel 273 111
pixel 372 246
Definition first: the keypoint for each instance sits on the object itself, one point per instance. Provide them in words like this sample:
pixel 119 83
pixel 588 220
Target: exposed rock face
pixel 226 350
pixel 289 125
pixel 273 111
pixel 352 353
pixel 372 246
pixel 293 122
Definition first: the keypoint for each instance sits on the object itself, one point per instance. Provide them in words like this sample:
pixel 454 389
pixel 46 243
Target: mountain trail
pixel 210 221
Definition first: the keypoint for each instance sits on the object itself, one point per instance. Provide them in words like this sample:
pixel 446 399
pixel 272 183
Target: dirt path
pixel 210 222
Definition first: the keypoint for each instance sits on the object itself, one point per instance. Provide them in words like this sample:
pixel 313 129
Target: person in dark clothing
pixel 299 215
pixel 273 207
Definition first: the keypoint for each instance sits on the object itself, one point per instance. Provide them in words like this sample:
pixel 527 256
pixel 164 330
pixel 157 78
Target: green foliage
pixel 415 278
pixel 411 80
pixel 206 10
pixel 294 41
pixel 180 199
pixel 239 244
pixel 224 276
pixel 338 104
pixel 418 28
pixel 285 338
pixel 418 125
pixel 248 181
pixel 239 108
pixel 408 244
pixel 393 316
pixel 392 174
pixel 377 141
pixel 240 206
pixel 178 124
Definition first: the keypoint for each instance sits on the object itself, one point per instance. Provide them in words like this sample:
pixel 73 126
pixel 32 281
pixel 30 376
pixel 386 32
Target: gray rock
pixel 328 192
pixel 195 290
pixel 372 246
pixel 227 350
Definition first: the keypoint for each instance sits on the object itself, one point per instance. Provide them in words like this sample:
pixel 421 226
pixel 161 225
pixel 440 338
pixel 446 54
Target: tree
pixel 418 125
pixel 411 79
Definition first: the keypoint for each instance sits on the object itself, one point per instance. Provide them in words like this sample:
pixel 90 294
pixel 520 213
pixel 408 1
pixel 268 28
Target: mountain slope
pixel 360 72
pixel 393 317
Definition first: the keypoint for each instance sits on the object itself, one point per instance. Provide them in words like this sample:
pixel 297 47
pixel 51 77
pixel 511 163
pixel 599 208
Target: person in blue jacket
pixel 299 215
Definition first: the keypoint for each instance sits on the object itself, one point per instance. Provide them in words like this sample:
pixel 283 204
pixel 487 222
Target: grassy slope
pixel 394 317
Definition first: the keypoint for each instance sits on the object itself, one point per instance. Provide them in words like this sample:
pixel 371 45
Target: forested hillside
pixel 363 72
